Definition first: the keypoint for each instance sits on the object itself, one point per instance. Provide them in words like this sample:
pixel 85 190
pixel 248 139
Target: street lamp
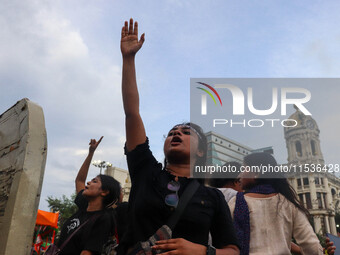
pixel 101 164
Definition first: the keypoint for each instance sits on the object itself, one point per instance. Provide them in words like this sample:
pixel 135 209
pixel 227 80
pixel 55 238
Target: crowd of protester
pixel 170 213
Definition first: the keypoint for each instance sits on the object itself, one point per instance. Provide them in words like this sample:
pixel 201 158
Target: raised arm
pixel 84 169
pixel 129 44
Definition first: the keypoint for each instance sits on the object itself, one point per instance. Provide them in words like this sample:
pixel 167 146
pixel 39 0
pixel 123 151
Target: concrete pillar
pixel 312 191
pixel 317 225
pixel 23 149
pixel 304 200
pixel 332 225
pixel 294 183
pixel 327 224
pixel 329 194
pixel 291 151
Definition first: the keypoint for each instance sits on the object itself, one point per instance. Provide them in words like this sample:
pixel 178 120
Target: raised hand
pixel 84 169
pixel 129 44
pixel 94 144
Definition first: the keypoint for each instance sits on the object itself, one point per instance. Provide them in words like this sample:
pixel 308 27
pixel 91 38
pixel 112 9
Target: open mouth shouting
pixel 176 140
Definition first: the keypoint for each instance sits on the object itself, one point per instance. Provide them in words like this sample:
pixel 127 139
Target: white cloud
pixel 65 56
pixel 45 58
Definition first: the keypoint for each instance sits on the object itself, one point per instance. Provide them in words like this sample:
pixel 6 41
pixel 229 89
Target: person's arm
pixel 295 249
pixel 304 234
pixel 84 169
pixel 86 253
pixel 135 131
pixel 185 247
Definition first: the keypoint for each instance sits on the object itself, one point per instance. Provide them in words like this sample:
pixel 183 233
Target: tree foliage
pixel 64 205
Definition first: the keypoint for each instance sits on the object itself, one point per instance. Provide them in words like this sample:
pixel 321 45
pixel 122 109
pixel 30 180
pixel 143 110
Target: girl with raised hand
pixel 156 190
pixel 94 201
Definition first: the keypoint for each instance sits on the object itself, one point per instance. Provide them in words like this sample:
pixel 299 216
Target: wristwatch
pixel 211 250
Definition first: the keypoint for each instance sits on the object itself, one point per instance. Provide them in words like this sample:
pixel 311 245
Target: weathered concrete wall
pixel 23 149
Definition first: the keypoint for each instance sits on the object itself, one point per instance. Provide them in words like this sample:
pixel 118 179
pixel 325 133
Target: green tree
pixel 64 205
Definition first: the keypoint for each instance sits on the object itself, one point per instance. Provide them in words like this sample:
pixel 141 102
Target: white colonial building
pixel 318 190
pixel 123 177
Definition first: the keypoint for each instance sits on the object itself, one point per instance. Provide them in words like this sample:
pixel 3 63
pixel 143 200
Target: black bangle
pixel 211 250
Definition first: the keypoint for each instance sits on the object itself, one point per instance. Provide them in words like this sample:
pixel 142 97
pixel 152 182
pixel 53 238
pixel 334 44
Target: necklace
pixel 172 172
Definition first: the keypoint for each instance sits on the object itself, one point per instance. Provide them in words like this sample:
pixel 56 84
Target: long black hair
pixel 113 186
pixel 232 177
pixel 202 143
pixel 277 180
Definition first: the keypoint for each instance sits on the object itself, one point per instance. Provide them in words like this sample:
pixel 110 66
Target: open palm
pixel 129 43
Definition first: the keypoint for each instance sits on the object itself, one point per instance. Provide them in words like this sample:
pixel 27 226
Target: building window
pixel 305 182
pixel 311 220
pixel 323 224
pixel 301 199
pixel 312 144
pixel 298 148
pixel 333 192
pixel 308 201
pixel 318 198
pixel 321 180
pixel 299 182
pixel 317 181
pixel 325 200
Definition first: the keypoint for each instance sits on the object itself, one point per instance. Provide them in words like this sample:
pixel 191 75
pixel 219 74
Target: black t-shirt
pixel 206 211
pixel 92 235
pixel 121 213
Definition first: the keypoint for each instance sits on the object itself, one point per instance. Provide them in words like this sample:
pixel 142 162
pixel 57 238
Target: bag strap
pixel 92 219
pixel 182 203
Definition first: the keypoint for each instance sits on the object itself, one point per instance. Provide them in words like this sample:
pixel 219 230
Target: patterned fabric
pixel 144 248
pixel 241 216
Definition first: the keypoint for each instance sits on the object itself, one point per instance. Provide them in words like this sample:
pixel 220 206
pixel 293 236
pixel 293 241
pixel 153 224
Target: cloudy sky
pixel 65 56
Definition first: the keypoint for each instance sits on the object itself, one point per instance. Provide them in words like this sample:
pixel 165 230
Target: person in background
pixel 268 214
pixel 94 201
pixel 231 185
